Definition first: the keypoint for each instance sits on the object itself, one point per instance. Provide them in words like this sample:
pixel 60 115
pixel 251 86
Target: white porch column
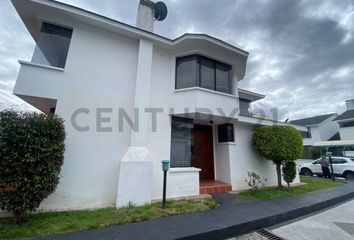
pixel 136 168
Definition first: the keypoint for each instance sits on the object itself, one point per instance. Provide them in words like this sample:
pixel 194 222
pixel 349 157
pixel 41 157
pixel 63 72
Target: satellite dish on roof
pixel 160 11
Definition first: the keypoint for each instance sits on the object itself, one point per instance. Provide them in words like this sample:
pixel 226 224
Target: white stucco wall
pixel 315 136
pixel 323 131
pixel 100 72
pixel 328 128
pixel 346 133
pixel 182 182
pixel 244 159
pixel 221 159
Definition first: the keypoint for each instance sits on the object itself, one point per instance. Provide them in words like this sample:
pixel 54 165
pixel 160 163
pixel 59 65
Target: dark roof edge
pixel 301 119
pixel 186 35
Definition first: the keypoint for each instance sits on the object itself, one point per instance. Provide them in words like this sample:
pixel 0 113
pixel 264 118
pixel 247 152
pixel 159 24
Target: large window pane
pixel 52 45
pixel 196 70
pixel 186 72
pixel 244 107
pixel 222 74
pixel 207 74
pixel 181 142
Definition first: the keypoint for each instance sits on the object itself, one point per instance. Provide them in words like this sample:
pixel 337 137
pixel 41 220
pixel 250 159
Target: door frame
pixel 212 155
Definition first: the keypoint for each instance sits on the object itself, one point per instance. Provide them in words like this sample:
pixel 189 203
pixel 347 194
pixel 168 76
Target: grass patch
pixel 58 222
pixel 312 184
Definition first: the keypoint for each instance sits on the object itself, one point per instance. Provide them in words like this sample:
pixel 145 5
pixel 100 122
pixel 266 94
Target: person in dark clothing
pixel 325 167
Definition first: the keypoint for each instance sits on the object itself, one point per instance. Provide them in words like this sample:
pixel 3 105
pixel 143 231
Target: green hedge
pixel 289 171
pixel 31 156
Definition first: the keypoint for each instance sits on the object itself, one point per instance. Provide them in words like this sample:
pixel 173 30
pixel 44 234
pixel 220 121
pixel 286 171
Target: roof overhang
pixel 344 120
pixel 32 12
pixel 258 121
pixel 250 96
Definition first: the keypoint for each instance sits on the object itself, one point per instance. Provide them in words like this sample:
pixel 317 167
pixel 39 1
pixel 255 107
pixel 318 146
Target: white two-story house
pixel 346 121
pixel 131 98
pixel 318 128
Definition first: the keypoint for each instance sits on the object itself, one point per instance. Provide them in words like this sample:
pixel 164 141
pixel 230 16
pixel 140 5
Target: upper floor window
pixel 305 134
pixel 199 71
pixel 244 107
pixel 52 45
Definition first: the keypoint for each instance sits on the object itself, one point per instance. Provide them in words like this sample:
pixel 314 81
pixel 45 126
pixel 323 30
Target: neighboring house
pixel 319 128
pixel 346 121
pixel 99 74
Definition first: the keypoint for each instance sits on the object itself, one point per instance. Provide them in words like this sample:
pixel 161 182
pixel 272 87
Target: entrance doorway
pixel 203 155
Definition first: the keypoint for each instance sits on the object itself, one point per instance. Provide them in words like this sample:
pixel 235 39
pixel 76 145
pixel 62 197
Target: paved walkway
pixel 234 217
pixel 334 223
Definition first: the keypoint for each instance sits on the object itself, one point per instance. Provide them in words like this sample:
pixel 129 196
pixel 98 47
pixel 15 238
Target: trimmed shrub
pixel 289 171
pixel 278 144
pixel 31 156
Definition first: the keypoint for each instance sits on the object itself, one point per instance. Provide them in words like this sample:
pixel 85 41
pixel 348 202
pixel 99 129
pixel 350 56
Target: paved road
pixel 335 223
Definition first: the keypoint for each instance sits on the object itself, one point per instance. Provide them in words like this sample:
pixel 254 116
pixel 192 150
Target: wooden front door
pixel 203 156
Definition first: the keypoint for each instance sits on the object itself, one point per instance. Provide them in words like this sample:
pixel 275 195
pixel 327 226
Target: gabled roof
pixel 349 114
pixel 316 120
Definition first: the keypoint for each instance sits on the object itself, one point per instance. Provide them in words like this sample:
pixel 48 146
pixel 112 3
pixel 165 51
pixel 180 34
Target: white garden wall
pixel 244 159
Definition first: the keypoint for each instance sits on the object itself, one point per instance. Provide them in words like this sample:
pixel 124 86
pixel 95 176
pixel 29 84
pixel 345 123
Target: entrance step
pixel 213 186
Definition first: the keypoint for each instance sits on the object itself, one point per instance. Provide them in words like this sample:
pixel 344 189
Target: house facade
pixel 131 98
pixel 346 121
pixel 318 128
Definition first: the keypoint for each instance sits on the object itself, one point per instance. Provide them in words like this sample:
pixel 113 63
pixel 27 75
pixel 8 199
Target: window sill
pixel 205 90
pixel 40 65
pixel 226 143
pixel 184 169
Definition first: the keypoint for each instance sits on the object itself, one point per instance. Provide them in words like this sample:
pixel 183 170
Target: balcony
pixel 39 85
pixel 40 81
pixel 205 103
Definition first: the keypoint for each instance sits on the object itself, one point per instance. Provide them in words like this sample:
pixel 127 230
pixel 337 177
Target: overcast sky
pixel 301 52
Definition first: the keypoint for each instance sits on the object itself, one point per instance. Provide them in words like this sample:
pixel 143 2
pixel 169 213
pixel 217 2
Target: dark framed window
pixel 187 72
pixel 226 133
pixel 199 71
pixel 52 45
pixel 181 142
pixel 306 134
pixel 346 124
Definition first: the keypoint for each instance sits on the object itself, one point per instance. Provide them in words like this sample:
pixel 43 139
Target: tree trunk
pixel 280 186
pixel 19 217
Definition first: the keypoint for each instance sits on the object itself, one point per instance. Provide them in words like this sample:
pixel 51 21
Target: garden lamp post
pixel 165 168
pixel 329 154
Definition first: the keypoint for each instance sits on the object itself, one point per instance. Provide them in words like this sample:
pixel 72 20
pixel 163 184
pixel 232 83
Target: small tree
pixel 316 151
pixel 278 143
pixel 289 171
pixel 31 156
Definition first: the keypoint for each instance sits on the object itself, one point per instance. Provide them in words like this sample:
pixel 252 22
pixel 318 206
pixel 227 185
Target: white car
pixel 342 167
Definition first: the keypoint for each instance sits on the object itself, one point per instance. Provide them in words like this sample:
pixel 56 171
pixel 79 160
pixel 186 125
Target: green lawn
pixel 58 222
pixel 312 184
